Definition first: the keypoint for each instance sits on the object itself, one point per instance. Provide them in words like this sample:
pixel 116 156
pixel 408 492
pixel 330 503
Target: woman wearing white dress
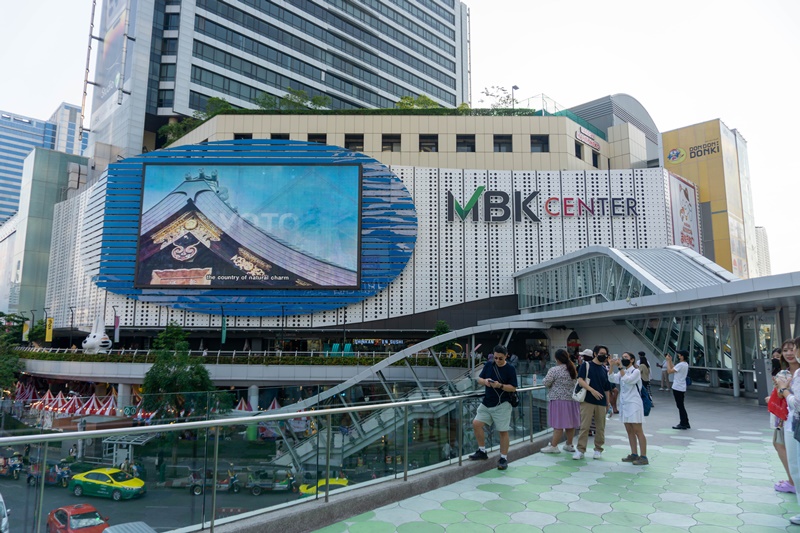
pixel 630 408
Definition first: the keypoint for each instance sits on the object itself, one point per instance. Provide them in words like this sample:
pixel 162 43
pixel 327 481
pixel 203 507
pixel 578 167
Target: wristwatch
pixel 780 391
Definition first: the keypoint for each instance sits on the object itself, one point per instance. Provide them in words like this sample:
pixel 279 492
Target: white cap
pixel 587 351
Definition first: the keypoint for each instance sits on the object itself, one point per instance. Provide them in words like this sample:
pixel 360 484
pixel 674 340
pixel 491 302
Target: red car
pixel 81 518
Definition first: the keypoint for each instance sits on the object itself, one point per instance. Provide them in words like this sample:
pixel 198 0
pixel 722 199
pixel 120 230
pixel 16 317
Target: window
pixel 390 142
pixel 166 98
pixel 465 143
pixel 321 138
pixel 171 21
pixel 595 159
pixel 280 136
pixel 167 72
pixel 169 47
pixel 578 150
pixel 354 142
pixel 429 143
pixel 540 143
pixel 240 136
pixel 502 143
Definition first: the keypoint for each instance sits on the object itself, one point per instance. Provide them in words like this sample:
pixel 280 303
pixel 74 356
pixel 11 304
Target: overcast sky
pixel 684 61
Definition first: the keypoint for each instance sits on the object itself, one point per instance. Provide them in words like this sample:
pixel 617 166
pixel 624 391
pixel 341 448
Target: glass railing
pixel 205 472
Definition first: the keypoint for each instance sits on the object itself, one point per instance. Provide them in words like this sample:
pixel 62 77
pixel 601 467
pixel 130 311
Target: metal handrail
pixel 238 421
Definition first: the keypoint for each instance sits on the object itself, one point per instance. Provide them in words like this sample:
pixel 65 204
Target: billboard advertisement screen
pixel 250 226
pixel 683 199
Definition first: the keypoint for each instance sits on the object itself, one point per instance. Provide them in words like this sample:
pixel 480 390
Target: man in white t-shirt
pixel 680 371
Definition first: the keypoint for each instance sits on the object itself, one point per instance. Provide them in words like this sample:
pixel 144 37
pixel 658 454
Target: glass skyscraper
pixel 161 59
pixel 19 135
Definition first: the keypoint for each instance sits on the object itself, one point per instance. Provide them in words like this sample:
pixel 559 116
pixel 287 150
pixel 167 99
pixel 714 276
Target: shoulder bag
pixel 512 397
pixel 579 393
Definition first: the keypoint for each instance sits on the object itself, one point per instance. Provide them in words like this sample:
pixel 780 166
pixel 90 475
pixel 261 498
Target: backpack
pixel 647 401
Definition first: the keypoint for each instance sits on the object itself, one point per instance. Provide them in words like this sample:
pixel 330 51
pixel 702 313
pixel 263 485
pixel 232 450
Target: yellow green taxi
pixel 107 483
pixel 322 486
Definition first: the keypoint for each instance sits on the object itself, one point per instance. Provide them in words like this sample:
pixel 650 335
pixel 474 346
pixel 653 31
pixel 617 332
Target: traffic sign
pixel 129 410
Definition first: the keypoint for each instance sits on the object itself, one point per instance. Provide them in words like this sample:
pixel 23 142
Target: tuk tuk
pixel 57 474
pixel 10 463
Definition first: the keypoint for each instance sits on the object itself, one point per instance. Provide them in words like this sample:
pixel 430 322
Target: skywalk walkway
pixel 715 478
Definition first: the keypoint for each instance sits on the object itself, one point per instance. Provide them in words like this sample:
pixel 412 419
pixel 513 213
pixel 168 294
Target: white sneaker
pixel 550 449
pixel 578 455
pixel 569 448
pixel 597 454
pixel 795 520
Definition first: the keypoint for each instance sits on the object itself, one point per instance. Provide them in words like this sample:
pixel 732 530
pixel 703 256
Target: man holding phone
pixel 500 380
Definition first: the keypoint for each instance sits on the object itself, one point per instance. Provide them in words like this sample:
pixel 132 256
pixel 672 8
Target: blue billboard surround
pixel 254 228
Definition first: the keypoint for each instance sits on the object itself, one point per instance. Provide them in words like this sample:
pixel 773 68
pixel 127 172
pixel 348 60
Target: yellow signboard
pixel 48 335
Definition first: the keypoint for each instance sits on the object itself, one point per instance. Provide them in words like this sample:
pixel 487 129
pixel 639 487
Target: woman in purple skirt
pixel 564 413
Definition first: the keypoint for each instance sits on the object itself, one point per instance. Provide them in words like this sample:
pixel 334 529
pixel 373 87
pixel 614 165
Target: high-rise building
pixel 162 59
pixel 762 243
pixel 20 135
pixel 714 157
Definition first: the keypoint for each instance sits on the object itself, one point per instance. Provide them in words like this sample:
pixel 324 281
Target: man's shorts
pixel 499 415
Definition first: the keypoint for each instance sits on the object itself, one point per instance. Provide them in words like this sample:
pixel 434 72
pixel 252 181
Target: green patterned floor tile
pixel 491 474
pixel 718 497
pixel 468 527
pixel 722 475
pixel 766 508
pixel 487 518
pixel 658 528
pixel 442 516
pixel 621 475
pixel 530 470
pixel 764 529
pixel 626 519
pixel 709 529
pixel 372 527
pixel 655 481
pixel 516 528
pixel 639 497
pixel 718 519
pixel 504 506
pixel 731 489
pixel 676 508
pixel 462 506
pixel 552 474
pixel 676 486
pixel 564 468
pixel 520 496
pixel 562 528
pixel 495 487
pixel 609 528
pixel 577 518
pixel 633 507
pixel 599 497
pixel 536 485
pixel 646 489
pixel 548 507
pixel 419 527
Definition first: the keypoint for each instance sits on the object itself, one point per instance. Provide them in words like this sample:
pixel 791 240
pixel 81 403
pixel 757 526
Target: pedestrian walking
pixel 631 407
pixel 564 414
pixel 500 380
pixel 593 377
pixel 681 370
pixel 664 381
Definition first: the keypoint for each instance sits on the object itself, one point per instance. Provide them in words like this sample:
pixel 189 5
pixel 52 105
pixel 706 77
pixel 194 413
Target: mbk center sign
pixel 501 206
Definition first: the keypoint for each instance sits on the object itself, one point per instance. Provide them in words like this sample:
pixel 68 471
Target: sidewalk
pixel 715 478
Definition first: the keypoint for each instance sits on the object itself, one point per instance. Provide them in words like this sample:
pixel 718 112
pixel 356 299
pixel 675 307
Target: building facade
pixel 21 134
pixel 480 216
pixel 762 242
pixel 715 158
pixel 162 59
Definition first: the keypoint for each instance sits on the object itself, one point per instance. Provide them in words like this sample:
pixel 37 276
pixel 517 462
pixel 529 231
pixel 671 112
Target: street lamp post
pixel 71 324
pixel 513 101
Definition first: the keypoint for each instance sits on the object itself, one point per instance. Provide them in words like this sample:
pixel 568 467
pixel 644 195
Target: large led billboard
pixel 250 226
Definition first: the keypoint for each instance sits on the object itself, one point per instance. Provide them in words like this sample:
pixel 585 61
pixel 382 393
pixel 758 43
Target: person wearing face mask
pixel 595 403
pixel 631 408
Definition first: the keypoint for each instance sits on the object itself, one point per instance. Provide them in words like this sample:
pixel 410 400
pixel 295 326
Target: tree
pixel 501 98
pixel 175 130
pixel 176 382
pixel 38 332
pixel 420 102
pixel 293 100
pixel 10 365
pixel 441 328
